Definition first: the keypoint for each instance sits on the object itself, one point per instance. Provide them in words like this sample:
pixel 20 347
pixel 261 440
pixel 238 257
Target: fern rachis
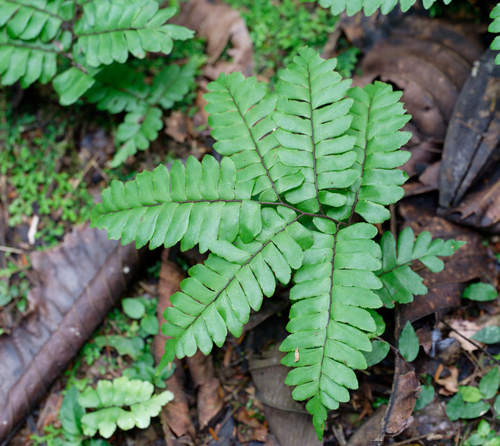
pixel 296 167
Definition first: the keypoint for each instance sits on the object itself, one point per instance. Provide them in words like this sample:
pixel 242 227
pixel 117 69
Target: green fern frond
pixel 108 399
pixel 218 296
pixel 278 206
pixel 312 117
pixel 28 20
pixel 137 130
pixel 327 319
pixel 196 203
pixel 400 282
pixel 119 88
pixel 111 29
pixel 370 6
pixel 240 116
pixel 26 62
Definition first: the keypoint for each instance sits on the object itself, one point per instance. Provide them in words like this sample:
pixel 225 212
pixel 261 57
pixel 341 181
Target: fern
pixel 296 167
pixel 400 282
pixel 34 36
pixel 109 397
pixel 369 7
pixel 118 88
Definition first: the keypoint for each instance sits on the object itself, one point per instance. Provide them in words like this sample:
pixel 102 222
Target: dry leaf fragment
pixel 450 383
pixel 297 356
pixel 465 328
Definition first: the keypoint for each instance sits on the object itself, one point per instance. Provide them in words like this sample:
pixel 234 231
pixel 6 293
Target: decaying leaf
pixel 175 414
pixel 288 420
pixel 369 429
pixel 219 24
pixel 209 400
pixel 397 418
pixel 80 280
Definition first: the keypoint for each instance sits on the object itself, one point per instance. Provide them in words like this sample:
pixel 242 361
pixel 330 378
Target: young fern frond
pixel 280 205
pixel 400 282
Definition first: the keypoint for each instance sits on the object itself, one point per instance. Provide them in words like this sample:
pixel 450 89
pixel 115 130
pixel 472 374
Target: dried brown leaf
pixel 80 280
pixel 219 24
pixel 397 418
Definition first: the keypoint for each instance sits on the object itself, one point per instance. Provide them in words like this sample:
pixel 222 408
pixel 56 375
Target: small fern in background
pixel 107 401
pixel 90 39
pixel 297 167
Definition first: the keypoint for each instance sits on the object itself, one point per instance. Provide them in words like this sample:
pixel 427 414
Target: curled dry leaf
pixel 219 24
pixel 397 418
pixel 80 280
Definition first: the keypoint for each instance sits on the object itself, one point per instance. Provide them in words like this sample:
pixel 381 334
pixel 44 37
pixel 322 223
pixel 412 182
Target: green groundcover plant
pixel 81 47
pixel 306 174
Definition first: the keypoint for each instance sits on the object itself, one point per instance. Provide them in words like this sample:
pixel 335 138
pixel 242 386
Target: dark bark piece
pixel 468 263
pixel 418 69
pixel 474 131
pixel 288 420
pixel 80 280
pixel 176 413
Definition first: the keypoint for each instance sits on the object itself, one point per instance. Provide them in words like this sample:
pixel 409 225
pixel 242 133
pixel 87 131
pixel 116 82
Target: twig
pixel 473 343
pixel 12 250
pixel 420 437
